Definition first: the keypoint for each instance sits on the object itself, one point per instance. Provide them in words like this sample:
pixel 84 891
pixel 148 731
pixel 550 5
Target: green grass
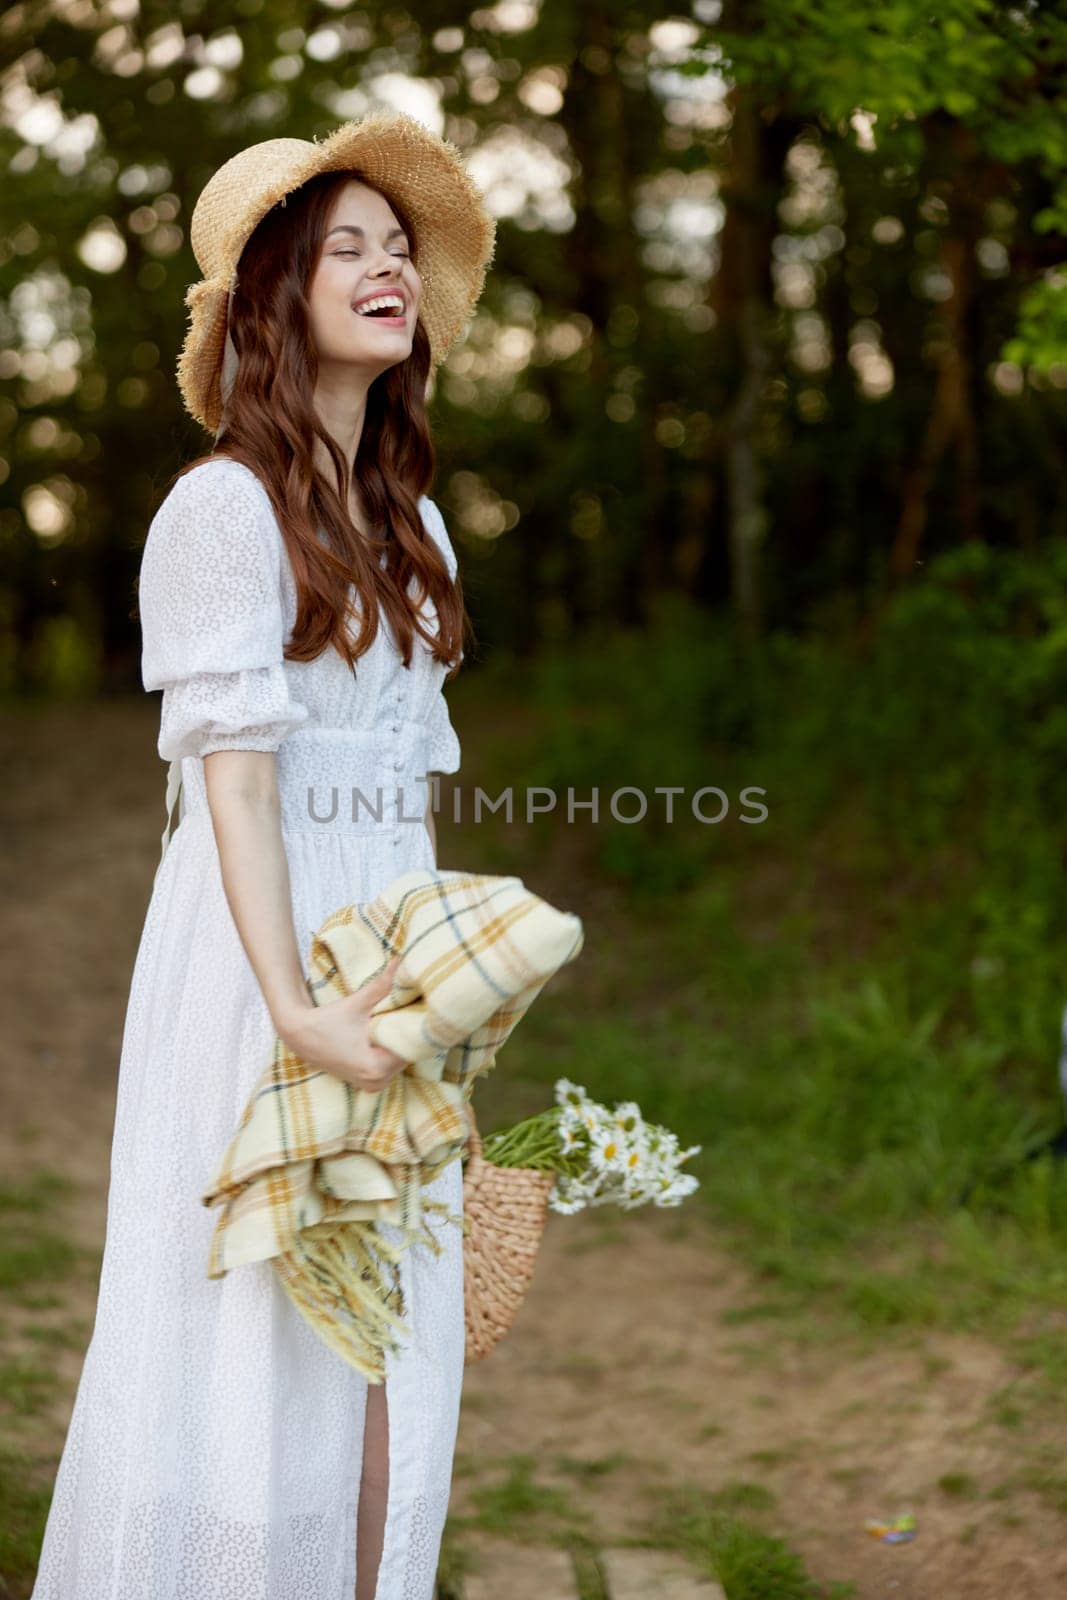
pixel 33 1255
pixel 749 1563
pixel 517 1505
pixel 959 1485
pixel 69 1335
pixel 35 1195
pixel 742 1496
pixel 719 1533
pixel 23 1509
pixel 835 1152
pixel 585 1469
pixel 453 1564
pixel 1045 1476
pixel 38 1265
pixel 25 1387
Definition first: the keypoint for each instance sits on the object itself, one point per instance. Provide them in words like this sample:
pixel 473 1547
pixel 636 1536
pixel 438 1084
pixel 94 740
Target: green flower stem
pixel 533 1143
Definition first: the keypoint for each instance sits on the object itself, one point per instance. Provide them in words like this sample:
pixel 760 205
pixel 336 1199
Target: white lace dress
pixel 215 1447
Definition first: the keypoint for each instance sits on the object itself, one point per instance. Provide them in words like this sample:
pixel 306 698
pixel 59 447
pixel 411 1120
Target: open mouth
pixel 383 308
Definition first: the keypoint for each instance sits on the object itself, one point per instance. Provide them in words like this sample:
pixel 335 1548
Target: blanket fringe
pixel 348 1286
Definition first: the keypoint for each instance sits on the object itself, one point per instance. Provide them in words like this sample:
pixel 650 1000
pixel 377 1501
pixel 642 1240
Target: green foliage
pixel 953 714
pixel 902 61
pixel 860 999
pixel 903 193
pixel 995 71
pixel 1042 336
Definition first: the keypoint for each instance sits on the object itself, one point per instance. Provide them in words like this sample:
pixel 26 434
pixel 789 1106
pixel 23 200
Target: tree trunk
pixel 743 300
pixel 952 419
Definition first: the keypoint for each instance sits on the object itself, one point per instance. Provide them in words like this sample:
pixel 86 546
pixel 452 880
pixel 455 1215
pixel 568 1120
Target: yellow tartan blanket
pixel 315 1162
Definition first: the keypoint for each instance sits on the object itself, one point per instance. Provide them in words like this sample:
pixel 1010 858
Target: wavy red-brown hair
pixel 270 425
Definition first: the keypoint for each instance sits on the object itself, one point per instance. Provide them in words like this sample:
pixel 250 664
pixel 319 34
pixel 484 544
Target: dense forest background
pixel 778 314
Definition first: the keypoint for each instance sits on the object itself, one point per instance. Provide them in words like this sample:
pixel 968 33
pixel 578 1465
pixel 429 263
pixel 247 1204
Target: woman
pixel 300 611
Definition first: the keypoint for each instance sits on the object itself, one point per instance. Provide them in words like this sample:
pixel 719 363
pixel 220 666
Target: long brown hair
pixel 270 425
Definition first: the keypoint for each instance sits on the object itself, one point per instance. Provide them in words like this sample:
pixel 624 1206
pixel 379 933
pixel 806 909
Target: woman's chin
pixel 369 359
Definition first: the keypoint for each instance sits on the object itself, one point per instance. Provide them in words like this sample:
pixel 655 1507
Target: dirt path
pixel 636 1363
pixel 627 1343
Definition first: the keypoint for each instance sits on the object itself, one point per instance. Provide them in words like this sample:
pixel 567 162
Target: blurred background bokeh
pixel 778 315
pixel 753 456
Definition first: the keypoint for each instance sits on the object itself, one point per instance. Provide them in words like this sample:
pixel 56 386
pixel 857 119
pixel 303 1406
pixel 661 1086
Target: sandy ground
pixel 632 1343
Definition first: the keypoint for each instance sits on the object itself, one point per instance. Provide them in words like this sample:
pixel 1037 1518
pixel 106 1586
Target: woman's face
pixel 365 292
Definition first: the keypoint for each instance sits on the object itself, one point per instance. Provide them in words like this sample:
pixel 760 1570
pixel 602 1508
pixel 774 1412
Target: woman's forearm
pixel 242 792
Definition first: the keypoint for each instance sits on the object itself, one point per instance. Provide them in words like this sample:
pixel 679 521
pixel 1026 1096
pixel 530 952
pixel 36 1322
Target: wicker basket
pixel 507 1208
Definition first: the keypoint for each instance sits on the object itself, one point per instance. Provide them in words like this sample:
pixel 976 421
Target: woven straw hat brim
pixel 424 174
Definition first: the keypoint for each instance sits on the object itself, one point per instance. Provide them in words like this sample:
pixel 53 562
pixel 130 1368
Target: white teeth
pixel 382 303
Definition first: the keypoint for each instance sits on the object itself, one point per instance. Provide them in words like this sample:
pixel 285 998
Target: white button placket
pixel 398 760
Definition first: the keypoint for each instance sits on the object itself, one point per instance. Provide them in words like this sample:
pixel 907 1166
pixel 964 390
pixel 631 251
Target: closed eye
pixel 403 254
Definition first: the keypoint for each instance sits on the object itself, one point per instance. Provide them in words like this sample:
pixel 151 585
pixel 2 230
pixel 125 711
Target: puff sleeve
pixel 444 748
pixel 212 617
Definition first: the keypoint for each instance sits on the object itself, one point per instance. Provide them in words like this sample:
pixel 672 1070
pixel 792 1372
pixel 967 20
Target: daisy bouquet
pixel 600 1156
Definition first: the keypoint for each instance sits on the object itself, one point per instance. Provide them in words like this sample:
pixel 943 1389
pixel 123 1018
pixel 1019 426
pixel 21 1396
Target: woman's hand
pixel 336 1036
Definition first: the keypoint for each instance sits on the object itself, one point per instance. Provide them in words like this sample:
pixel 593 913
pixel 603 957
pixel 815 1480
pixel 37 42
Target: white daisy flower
pixel 635 1158
pixel 568 1136
pixel 628 1119
pixel 607 1149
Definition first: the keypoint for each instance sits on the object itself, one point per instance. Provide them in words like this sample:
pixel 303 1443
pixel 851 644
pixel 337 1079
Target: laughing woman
pixel 300 610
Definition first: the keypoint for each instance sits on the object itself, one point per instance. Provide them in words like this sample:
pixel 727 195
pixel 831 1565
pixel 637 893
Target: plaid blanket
pixel 316 1162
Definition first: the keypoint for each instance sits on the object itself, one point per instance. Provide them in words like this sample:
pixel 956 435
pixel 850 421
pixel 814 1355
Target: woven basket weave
pixel 506 1208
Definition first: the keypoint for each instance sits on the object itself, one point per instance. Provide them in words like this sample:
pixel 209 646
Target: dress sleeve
pixel 444 753
pixel 212 618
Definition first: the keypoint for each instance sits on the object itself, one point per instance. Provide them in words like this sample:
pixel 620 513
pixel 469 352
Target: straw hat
pixel 422 173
